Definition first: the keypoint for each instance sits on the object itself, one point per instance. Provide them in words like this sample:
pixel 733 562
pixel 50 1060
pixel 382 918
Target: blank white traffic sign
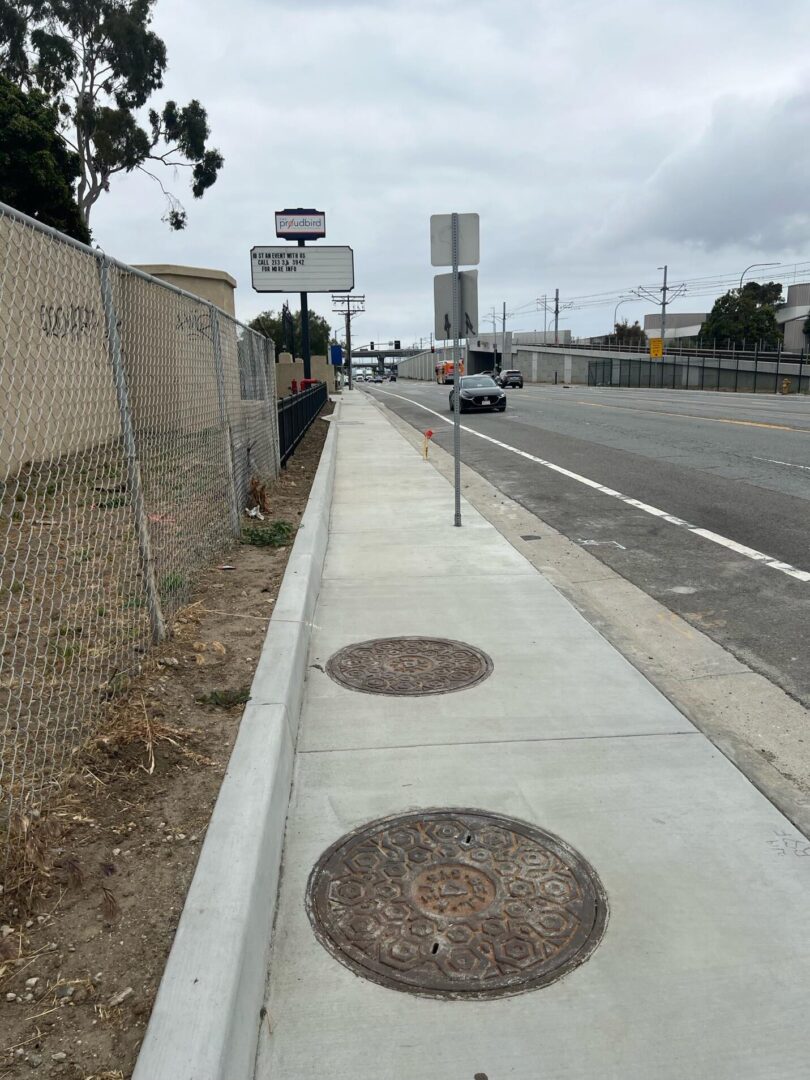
pixel 441 247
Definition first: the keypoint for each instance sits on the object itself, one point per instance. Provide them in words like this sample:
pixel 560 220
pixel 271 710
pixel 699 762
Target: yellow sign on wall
pixel 656 348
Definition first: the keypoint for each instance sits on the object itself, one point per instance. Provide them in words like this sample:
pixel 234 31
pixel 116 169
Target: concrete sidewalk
pixel 704 969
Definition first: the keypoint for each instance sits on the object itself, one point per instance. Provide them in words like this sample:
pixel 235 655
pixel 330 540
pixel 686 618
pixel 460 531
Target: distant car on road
pixel 479 392
pixel 511 378
pixel 378 378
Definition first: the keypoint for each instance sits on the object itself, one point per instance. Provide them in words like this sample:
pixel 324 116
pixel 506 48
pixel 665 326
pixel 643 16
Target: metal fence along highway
pixel 296 413
pixel 722 372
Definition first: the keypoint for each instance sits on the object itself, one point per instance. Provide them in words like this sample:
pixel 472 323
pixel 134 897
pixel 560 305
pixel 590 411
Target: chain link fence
pixel 133 417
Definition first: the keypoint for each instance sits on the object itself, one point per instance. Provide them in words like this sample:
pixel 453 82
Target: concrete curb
pixel 206 1017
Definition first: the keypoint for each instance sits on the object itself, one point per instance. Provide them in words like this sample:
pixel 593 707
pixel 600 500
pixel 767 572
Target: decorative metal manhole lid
pixel 456 904
pixel 409 666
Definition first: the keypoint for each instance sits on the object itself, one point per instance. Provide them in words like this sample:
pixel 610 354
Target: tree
pixel 747 314
pixel 270 324
pixel 98 62
pixel 37 171
pixel 629 335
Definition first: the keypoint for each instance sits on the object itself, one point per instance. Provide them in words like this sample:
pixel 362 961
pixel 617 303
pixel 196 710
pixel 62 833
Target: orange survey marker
pixel 426 442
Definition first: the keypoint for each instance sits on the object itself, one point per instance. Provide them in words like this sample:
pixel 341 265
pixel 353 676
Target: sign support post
pixel 456 371
pixel 305 329
pixel 453 241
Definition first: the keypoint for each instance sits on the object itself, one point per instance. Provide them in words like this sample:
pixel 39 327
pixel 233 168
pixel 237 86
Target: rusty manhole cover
pixel 409 666
pixel 456 904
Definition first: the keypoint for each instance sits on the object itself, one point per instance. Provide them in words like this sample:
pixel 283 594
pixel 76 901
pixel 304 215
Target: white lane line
pixel 723 541
pixel 791 464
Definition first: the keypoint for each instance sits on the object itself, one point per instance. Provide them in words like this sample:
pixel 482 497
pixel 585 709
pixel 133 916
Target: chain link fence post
pixel 134 480
pixel 233 502
pixel 269 358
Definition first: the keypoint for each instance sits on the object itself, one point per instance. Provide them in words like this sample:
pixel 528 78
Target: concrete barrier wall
pixel 420 367
pixel 538 365
pixel 548 365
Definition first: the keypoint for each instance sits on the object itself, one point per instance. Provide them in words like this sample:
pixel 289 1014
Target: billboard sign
pixel 302 269
pixel 300 224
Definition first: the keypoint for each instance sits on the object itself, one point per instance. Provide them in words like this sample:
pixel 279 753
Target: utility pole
pixel 503 343
pixel 494 318
pixel 350 306
pixel 556 316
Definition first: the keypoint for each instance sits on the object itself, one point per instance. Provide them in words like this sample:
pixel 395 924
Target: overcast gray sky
pixel 596 140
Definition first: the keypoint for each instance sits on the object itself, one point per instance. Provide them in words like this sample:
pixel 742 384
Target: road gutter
pixel 718 693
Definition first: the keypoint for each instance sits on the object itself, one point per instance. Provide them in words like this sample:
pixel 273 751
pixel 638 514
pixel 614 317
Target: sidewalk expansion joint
pixel 499 742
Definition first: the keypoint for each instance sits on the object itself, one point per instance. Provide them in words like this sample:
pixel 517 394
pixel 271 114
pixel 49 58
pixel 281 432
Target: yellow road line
pixel 691 416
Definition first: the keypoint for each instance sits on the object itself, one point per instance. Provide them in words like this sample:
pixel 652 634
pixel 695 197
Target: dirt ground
pixel 83 949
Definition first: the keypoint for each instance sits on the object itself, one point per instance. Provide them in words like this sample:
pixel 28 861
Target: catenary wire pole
pixel 668 294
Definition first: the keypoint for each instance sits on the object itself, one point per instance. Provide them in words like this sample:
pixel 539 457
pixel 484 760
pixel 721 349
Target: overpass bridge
pixel 382 359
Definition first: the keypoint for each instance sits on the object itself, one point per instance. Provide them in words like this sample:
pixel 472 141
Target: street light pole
pixel 624 300
pixel 754 266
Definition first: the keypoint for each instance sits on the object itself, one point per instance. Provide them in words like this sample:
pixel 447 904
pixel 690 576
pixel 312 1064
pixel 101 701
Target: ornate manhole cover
pixel 456 904
pixel 409 666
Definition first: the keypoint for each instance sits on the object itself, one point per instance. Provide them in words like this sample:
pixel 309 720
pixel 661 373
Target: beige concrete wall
pixel 57 394
pixel 213 285
pixel 288 369
pixel 56 390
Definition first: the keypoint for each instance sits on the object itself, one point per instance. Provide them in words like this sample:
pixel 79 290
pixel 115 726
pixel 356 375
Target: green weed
pixel 271 534
pixel 225 699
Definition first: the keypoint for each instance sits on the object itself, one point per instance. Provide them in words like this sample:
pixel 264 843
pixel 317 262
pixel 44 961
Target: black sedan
pixel 479 392
pixel 511 378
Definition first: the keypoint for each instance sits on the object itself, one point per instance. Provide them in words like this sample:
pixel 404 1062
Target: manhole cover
pixel 456 904
pixel 409 665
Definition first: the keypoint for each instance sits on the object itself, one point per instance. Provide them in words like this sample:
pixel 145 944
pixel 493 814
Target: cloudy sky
pixel 596 140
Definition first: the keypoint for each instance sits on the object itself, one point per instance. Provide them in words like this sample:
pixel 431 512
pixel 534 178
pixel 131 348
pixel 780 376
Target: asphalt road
pixel 733 465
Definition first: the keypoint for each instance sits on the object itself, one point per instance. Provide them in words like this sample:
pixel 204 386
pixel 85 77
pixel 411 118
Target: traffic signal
pixel 372 345
pixel 397 345
pixel 433 348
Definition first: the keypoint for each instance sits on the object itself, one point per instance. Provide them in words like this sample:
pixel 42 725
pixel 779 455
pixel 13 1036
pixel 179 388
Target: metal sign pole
pixel 305 330
pixel 456 370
